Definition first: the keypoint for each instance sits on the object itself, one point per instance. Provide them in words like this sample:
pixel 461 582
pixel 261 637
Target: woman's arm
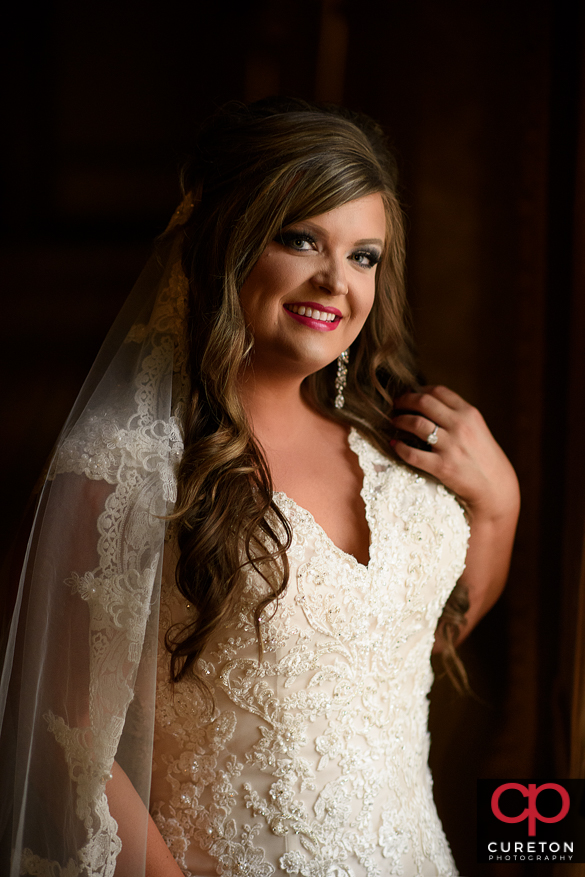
pixel 127 808
pixel 467 460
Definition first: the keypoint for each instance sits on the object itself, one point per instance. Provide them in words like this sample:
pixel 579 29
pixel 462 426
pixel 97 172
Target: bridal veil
pixel 77 689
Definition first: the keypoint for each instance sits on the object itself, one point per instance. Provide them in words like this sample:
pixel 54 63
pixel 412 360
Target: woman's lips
pixel 315 315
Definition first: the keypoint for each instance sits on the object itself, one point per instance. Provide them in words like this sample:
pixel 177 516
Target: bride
pixel 255 528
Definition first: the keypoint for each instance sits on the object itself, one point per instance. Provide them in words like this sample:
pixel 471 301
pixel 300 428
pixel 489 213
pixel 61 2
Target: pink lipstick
pixel 321 317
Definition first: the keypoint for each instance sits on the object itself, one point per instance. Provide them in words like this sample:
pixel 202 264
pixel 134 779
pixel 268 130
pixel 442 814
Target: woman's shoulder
pixel 374 462
pixel 385 474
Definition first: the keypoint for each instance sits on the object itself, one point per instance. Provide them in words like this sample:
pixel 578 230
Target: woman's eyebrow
pixel 365 241
pixel 318 229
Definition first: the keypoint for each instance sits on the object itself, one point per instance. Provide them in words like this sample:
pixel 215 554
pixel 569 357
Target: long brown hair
pixel 257 169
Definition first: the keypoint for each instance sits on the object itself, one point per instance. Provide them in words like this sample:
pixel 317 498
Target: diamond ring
pixel 432 439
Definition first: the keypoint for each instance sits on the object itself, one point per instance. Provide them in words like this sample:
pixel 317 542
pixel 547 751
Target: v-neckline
pixel 363 493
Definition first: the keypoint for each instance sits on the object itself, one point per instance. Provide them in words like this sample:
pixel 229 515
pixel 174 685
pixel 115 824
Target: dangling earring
pixel 341 378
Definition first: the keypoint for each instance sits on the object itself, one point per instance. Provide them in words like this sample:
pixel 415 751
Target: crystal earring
pixel 341 378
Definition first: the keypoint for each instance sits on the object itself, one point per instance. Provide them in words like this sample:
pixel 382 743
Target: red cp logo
pixel 531 812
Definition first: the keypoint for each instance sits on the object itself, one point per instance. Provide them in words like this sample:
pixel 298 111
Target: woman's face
pixel 310 292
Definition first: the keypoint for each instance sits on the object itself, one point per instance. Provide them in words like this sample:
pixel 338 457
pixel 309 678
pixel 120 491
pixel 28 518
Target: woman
pixel 309 550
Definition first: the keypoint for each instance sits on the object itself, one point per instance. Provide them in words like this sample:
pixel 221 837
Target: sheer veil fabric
pixel 79 660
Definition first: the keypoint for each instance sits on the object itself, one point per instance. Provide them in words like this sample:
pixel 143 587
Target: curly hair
pixel 255 170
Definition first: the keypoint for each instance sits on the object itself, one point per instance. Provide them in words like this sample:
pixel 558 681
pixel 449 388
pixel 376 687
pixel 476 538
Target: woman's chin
pixel 292 360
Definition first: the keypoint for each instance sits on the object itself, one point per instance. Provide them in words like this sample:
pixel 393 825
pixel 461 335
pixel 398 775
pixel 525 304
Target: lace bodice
pixel 314 761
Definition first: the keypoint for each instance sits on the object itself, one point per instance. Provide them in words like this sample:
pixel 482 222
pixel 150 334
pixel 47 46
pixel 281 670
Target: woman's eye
pixel 296 240
pixel 366 258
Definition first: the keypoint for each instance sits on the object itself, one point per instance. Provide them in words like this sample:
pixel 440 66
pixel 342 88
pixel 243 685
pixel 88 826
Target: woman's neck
pixel 276 408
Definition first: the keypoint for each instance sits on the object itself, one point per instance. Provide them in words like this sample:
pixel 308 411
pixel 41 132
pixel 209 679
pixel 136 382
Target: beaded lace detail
pixel 313 761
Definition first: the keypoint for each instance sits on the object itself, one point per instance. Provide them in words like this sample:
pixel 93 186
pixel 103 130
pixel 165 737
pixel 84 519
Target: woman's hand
pixel 467 459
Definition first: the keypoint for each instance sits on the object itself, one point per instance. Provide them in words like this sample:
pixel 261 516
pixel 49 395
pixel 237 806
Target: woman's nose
pixel 332 277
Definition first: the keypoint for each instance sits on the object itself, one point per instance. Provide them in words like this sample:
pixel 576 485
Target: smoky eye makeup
pixel 300 239
pixel 296 239
pixel 366 257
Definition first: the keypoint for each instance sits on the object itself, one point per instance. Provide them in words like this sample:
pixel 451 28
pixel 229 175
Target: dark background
pixel 482 102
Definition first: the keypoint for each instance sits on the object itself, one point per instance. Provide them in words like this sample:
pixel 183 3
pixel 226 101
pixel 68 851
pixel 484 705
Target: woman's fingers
pixel 435 405
pixel 423 460
pixel 459 420
pixel 422 427
pixel 436 413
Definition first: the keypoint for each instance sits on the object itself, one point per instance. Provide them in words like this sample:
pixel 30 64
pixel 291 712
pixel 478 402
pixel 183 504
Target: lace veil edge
pixel 77 691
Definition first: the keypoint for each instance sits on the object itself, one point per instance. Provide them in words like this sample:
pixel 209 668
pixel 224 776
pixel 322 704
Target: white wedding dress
pixel 314 760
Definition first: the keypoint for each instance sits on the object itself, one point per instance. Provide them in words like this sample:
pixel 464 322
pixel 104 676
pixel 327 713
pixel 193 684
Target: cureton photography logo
pixel 540 820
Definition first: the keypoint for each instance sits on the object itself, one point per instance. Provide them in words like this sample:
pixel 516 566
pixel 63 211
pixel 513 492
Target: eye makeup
pixel 294 238
pixel 301 240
